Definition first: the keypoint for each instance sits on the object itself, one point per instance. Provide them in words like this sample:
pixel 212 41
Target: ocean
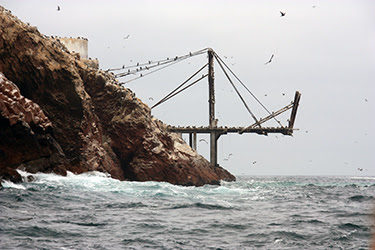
pixel 93 211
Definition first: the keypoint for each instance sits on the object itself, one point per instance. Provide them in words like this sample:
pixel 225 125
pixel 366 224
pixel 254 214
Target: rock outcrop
pixel 81 120
pixel 26 135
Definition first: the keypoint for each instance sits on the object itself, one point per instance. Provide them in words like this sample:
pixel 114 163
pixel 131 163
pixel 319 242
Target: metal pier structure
pixel 212 129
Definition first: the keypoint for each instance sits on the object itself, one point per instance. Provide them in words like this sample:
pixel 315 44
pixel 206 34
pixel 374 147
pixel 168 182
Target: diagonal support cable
pixel 167 97
pixel 161 64
pixel 191 84
pixel 238 93
pixel 274 114
pixel 239 80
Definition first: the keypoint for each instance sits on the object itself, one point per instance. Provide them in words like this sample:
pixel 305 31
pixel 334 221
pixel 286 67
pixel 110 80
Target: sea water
pixel 93 211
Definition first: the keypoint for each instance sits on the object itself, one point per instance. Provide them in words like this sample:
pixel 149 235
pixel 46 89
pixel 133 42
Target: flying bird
pixel 282 13
pixel 269 60
pixel 360 169
pixel 126 37
pixel 203 140
pixel 58 8
pixel 150 98
pixel 227 159
pixel 254 162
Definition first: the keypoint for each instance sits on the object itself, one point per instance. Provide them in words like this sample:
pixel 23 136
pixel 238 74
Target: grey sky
pixel 324 49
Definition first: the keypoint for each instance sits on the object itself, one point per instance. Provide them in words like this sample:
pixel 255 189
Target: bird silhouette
pixel 203 140
pixel 126 37
pixel 270 59
pixel 58 8
pixel 227 159
pixel 360 169
pixel 282 13
pixel 150 98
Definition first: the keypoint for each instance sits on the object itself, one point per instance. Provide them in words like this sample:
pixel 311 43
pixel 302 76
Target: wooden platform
pixel 225 130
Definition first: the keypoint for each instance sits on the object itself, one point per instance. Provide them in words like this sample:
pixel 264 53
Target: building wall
pixel 77 45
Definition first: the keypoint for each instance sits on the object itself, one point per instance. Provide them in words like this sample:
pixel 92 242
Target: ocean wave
pixel 361 198
pixel 363 178
pixel 9 184
pixel 92 210
pixel 38 231
pixel 101 182
pixel 202 206
pixel 137 241
pixel 352 226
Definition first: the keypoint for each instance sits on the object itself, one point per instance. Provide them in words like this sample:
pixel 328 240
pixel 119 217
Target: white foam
pixel 101 182
pixel 363 178
pixel 9 184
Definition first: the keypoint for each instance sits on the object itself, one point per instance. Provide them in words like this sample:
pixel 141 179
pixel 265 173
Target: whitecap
pixel 9 184
pixel 363 178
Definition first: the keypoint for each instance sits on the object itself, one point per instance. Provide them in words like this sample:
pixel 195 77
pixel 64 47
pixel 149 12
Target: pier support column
pixel 214 137
pixel 211 89
pixel 213 148
pixel 193 141
pixel 194 146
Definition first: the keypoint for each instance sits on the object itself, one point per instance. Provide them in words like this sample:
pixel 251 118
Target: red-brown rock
pixel 26 135
pixel 98 124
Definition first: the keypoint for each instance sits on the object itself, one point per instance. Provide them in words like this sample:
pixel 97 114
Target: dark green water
pixel 91 211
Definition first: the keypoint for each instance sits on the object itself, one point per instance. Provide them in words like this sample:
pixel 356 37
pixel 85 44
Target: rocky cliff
pixel 60 114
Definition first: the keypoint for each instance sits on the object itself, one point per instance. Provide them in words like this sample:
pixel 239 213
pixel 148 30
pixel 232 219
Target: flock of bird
pixel 270 60
pixel 282 14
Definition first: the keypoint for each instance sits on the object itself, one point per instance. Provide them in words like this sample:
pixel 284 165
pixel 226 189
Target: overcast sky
pixel 324 49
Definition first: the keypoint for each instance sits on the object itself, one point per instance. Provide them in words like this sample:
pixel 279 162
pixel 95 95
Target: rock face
pixel 80 119
pixel 26 134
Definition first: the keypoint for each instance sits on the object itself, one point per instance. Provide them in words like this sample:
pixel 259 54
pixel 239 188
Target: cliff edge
pixel 58 114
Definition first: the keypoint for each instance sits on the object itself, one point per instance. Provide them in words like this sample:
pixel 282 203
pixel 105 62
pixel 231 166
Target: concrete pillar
pixel 214 136
pixel 211 89
pixel 195 141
